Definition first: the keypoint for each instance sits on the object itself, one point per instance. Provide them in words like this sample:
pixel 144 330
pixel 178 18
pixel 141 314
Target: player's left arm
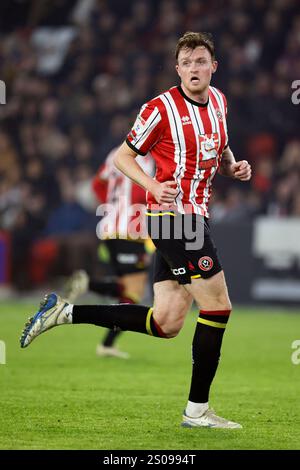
pixel 240 170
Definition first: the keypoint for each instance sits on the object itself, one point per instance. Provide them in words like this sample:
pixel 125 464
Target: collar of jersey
pixel 202 105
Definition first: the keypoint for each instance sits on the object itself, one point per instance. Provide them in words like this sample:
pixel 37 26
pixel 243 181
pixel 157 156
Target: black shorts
pixel 176 258
pixel 124 256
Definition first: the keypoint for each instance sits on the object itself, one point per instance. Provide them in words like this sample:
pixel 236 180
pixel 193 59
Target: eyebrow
pixel 188 59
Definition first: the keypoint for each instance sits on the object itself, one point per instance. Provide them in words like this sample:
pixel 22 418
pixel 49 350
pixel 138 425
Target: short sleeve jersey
pixel 186 139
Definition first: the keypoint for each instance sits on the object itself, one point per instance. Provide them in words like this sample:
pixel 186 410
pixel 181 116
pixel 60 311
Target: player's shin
pixel 112 335
pixel 206 353
pixel 129 317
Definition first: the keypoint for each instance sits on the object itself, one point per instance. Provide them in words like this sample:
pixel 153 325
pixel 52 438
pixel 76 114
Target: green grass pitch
pixel 57 394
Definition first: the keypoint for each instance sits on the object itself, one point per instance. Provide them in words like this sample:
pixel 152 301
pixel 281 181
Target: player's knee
pixel 221 302
pixel 225 304
pixel 171 328
pixel 170 317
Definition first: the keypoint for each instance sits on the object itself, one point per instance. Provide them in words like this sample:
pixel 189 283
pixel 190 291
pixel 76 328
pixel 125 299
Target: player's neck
pixel 201 98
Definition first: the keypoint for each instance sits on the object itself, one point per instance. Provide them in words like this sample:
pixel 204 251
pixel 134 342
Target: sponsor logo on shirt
pixel 139 124
pixel 208 150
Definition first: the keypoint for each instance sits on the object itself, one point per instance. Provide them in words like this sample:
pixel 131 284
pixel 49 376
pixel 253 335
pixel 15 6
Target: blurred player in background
pixel 185 131
pixel 128 259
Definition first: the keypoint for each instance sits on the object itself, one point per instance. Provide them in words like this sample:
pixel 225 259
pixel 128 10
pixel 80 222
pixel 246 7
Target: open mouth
pixel 195 79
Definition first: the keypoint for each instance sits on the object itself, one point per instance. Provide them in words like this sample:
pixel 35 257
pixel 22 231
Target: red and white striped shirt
pixel 186 140
pixel 119 193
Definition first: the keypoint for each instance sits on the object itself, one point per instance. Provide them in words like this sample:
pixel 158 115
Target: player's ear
pixel 214 66
pixel 177 69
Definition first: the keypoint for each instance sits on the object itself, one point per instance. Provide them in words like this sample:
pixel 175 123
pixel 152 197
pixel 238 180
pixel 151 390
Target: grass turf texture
pixel 57 394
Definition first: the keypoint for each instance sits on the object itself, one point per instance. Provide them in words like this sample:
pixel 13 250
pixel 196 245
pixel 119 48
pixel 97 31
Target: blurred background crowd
pixel 76 74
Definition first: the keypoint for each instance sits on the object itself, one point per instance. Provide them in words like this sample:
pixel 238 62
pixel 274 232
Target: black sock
pixel 130 317
pixel 107 287
pixel 206 352
pixel 110 338
pixel 112 335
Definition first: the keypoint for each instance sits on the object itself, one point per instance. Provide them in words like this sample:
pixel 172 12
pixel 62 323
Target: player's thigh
pixel 134 284
pixel 171 304
pixel 130 264
pixel 210 293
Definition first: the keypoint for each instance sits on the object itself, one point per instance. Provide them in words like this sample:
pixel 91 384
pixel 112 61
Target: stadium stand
pixel 76 74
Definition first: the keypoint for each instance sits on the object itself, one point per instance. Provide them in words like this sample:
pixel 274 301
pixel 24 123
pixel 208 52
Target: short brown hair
pixel 192 40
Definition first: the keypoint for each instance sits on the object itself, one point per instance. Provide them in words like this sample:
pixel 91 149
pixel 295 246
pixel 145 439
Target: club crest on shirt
pixel 219 114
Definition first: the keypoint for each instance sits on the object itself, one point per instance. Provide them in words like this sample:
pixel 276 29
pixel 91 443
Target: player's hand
pixel 165 193
pixel 241 170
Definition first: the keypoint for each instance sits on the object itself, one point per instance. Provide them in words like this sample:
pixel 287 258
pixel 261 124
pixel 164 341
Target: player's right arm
pixel 124 160
pixel 100 184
